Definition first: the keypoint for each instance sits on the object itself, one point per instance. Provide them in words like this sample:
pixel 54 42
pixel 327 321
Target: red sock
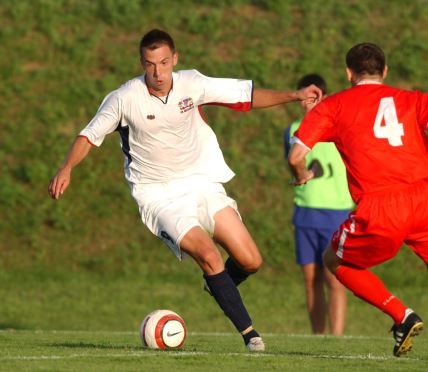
pixel 367 286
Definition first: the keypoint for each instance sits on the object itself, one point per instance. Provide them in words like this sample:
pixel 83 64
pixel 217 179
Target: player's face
pixel 159 64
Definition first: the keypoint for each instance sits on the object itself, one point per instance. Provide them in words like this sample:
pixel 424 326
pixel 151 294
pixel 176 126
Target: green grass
pixel 51 298
pixel 122 351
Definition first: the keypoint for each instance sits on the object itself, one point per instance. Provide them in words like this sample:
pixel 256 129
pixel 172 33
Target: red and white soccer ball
pixel 163 329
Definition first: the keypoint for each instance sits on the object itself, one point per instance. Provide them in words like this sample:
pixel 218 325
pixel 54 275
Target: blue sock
pixel 227 296
pixel 235 272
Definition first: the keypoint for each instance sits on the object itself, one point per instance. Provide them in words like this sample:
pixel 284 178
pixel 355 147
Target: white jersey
pixel 166 139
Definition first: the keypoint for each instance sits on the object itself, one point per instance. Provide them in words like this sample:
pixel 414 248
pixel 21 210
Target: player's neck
pixel 367 79
pixel 159 93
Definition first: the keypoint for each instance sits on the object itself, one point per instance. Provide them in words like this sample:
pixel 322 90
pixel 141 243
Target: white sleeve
pixel 294 140
pixel 233 93
pixel 105 121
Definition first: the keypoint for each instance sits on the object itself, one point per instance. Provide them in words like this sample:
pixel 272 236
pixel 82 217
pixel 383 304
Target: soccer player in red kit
pixel 380 133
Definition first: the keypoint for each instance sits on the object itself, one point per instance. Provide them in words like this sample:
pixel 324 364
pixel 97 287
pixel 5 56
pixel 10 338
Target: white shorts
pixel 171 209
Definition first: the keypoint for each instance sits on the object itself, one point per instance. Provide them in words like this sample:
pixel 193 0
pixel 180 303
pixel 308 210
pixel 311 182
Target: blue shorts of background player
pixel 313 230
pixel 310 244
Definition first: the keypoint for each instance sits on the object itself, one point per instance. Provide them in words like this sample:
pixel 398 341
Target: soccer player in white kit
pixel 175 168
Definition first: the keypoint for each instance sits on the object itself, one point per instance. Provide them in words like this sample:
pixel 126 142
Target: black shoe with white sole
pixel 403 333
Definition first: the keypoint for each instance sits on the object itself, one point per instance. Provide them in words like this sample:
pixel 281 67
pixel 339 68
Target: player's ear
pixel 142 61
pixel 349 74
pixel 142 57
pixel 385 72
pixel 175 58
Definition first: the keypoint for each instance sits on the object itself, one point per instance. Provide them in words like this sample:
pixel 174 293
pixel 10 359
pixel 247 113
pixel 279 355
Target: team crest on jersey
pixel 185 104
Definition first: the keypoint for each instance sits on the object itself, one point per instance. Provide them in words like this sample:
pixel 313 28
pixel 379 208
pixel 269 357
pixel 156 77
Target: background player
pixel 176 169
pixel 320 207
pixel 380 133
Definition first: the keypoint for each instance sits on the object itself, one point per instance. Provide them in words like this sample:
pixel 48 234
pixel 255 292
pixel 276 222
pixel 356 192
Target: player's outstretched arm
pixel 78 151
pixel 263 98
pixel 297 163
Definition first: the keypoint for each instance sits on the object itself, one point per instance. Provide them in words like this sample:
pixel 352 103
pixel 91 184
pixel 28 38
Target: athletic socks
pixel 249 335
pixel 367 286
pixel 235 272
pixel 224 291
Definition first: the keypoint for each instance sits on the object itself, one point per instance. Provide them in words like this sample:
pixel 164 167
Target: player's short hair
pixel 156 38
pixel 366 58
pixel 314 79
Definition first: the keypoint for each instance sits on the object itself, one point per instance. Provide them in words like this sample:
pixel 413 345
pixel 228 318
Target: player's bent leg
pixel 337 304
pixel 365 285
pixel 197 244
pixel 202 249
pixel 230 232
pixel 229 299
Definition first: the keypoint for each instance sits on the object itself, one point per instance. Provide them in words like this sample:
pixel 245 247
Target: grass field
pixel 122 351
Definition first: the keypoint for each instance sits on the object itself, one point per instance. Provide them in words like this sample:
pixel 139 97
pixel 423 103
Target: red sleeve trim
pixel 252 93
pixel 238 106
pixel 87 139
pixel 202 113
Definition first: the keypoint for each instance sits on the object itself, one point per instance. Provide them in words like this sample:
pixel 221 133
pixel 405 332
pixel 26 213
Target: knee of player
pixel 211 262
pixel 253 265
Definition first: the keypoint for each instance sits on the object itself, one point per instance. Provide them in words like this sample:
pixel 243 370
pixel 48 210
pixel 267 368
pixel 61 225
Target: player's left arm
pixel 240 94
pixel 316 126
pixel 263 98
pixel 297 164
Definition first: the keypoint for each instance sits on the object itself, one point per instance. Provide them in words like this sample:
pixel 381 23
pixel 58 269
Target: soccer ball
pixel 163 329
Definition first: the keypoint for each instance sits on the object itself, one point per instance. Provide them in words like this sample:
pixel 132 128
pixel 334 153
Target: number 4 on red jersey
pixel 386 124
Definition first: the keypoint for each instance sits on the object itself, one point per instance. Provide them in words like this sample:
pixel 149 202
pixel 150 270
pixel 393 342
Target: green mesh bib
pixel 329 188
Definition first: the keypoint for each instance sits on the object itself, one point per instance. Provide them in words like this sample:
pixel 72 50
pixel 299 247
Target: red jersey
pixel 379 132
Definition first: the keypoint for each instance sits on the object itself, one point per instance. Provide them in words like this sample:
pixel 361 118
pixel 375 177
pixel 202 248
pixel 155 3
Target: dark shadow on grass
pixel 104 346
pixel 12 326
pixel 298 354
pixel 91 345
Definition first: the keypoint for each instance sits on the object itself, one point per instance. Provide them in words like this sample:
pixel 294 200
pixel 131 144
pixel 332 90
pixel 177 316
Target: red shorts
pixel 380 225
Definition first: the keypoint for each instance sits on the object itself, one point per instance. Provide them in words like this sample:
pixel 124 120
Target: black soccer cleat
pixel 403 333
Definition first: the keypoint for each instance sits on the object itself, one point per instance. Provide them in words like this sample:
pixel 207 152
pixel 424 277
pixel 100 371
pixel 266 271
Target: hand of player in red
pixel 309 174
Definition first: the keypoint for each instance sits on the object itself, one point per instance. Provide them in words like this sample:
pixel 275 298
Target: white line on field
pixel 115 355
pixel 196 333
pixel 356 337
pixel 195 353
